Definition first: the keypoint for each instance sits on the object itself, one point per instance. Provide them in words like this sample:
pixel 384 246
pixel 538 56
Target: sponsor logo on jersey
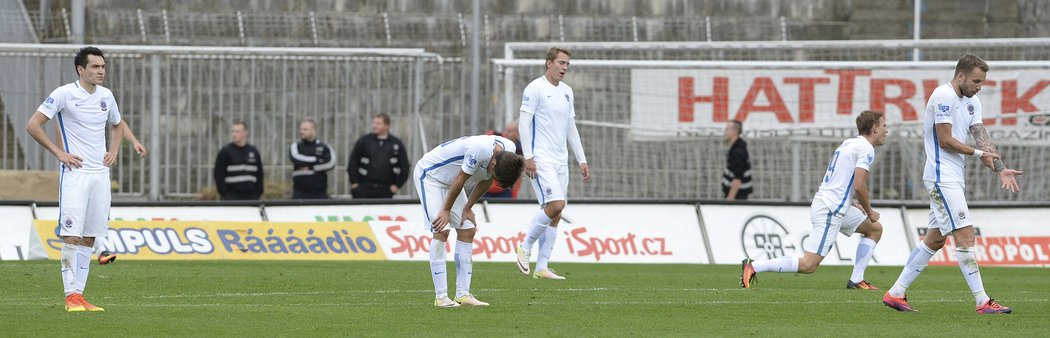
pixel 524 99
pixel 943 108
pixel 567 98
pixel 49 100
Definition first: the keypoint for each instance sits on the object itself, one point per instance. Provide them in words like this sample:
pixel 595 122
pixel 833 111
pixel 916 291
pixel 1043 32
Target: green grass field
pixel 283 298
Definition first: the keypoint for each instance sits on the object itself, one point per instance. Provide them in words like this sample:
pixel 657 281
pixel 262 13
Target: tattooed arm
pixel 1007 176
pixel 984 142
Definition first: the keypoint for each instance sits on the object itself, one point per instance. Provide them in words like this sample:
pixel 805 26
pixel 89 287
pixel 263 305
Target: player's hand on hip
pixel 1008 179
pixel 140 149
pixel 530 168
pixel 110 158
pixel 468 215
pixel 586 172
pixel 441 221
pixel 70 160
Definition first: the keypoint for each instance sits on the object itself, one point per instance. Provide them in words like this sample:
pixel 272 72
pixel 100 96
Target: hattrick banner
pixel 783 100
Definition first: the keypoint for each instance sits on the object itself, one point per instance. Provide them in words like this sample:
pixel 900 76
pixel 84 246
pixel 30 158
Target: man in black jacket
pixel 378 165
pixel 736 179
pixel 238 167
pixel 312 160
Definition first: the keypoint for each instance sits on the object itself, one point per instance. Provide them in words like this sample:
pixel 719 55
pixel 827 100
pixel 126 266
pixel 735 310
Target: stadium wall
pixel 595 231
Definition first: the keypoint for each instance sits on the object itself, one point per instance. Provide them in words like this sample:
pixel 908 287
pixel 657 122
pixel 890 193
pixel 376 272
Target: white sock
pixel 779 264
pixel 916 263
pixel 550 236
pixel 539 225
pixel 437 267
pixel 69 266
pixel 860 262
pixel 464 267
pixel 83 267
pixel 968 264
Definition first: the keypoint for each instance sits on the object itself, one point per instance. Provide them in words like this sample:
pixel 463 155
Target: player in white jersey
pixel 82 109
pixel 547 122
pixel 952 115
pixel 831 212
pixel 469 165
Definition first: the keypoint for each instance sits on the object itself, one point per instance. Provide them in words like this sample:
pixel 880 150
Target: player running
pixel 82 108
pixel 952 115
pixel 547 122
pixel 846 177
pixel 468 164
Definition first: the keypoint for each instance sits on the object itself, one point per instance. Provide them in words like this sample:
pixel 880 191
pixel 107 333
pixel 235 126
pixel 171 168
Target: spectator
pixel 238 167
pixel 736 179
pixel 312 160
pixel 510 131
pixel 378 165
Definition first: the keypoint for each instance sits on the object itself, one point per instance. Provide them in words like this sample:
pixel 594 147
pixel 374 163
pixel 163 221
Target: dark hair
pixel 80 60
pixel 508 168
pixel 738 125
pixel 240 122
pixel 867 120
pixel 968 62
pixel 384 116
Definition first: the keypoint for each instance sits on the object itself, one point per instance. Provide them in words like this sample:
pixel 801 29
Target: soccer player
pixel 469 165
pixel 82 108
pixel 952 115
pixel 311 160
pixel 845 178
pixel 548 121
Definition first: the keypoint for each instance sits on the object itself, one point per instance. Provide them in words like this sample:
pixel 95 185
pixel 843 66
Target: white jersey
pixel 837 186
pixel 961 112
pixel 468 154
pixel 551 122
pixel 82 119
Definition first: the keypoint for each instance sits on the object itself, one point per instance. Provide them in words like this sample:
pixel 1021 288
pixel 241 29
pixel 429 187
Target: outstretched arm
pixel 1007 176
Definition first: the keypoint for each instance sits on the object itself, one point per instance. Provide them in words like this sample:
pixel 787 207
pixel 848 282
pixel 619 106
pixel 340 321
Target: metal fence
pixel 784 168
pixel 181 100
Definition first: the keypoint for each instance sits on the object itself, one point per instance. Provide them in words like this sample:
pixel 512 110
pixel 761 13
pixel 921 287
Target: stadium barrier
pixel 693 232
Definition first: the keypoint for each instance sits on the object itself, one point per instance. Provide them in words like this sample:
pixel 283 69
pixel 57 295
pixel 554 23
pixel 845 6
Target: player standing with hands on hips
pixel 82 108
pixel 952 115
pixel 547 122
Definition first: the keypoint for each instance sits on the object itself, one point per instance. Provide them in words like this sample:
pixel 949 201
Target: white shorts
pixel 948 210
pixel 824 220
pixel 83 204
pixel 551 182
pixel 432 197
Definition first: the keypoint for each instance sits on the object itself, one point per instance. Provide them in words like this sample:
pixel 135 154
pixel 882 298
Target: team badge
pixel 962 215
pixel 549 192
pixel 970 108
pixel 103 105
pixel 68 223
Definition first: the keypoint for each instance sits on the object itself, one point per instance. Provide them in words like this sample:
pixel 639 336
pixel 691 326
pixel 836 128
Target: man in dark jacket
pixel 736 179
pixel 238 167
pixel 378 165
pixel 312 159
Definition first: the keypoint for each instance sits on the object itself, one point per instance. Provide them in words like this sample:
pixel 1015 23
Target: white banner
pixel 174 213
pixel 1006 236
pixel 597 234
pixel 346 213
pixel 16 234
pixel 764 232
pixel 678 102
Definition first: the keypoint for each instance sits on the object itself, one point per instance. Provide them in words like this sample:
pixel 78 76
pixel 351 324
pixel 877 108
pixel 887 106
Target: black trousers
pixel 372 190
